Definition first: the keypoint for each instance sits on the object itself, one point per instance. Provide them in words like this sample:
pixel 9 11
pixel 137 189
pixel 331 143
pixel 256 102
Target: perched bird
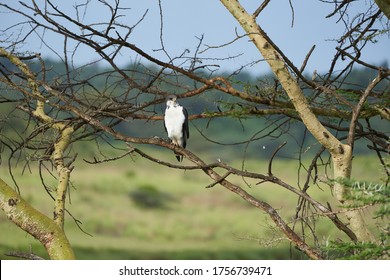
pixel 176 124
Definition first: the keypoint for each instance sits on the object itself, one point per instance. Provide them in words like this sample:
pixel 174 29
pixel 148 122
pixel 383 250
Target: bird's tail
pixel 179 157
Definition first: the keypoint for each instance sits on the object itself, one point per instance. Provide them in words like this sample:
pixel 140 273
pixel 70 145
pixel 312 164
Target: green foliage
pixel 358 251
pixel 368 193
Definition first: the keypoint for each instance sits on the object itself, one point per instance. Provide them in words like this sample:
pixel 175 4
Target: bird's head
pixel 171 100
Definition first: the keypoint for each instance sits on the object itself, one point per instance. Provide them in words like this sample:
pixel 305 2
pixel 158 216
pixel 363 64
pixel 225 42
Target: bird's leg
pixel 179 156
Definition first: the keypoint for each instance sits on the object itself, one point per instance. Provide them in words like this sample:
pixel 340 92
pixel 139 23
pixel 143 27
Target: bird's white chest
pixel 174 119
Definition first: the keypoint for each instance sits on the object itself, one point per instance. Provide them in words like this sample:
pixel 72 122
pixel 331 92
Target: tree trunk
pixel 342 166
pixel 384 6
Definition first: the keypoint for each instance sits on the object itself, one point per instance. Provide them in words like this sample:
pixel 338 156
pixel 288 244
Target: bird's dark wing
pixel 165 127
pixel 186 130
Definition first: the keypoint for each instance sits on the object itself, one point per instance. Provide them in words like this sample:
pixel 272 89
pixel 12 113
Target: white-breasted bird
pixel 176 123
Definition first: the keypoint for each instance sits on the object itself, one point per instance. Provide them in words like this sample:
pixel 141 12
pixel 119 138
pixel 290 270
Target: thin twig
pixel 96 161
pixel 218 181
pixel 307 58
pixel 261 8
pixel 272 157
pixel 22 255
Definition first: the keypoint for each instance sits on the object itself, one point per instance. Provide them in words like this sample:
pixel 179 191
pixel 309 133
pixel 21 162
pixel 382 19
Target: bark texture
pixel 35 223
pixel 384 6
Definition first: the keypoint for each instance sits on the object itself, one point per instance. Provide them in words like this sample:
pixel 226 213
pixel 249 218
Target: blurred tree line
pixel 213 131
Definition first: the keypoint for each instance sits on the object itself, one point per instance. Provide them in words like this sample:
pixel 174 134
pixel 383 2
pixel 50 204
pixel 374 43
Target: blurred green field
pixel 190 222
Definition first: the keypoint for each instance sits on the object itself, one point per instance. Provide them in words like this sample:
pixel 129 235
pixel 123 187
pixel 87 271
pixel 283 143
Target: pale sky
pixel 185 20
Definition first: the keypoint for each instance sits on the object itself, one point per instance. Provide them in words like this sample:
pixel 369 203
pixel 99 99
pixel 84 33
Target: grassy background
pixel 193 222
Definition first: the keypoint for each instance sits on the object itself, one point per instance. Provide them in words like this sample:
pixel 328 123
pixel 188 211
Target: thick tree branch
pixel 35 223
pixel 384 6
